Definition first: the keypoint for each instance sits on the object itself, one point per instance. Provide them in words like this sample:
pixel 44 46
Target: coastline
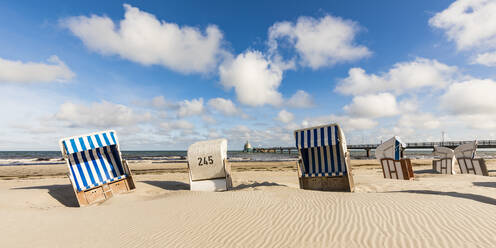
pixel 48 169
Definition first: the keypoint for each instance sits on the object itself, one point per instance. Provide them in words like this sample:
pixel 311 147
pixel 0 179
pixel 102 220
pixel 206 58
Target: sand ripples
pixel 322 219
pixel 271 213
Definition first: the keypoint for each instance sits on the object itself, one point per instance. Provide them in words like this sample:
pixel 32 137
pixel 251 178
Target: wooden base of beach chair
pixel 335 183
pixel 397 169
pixel 340 183
pixel 444 166
pixel 476 166
pixel 104 192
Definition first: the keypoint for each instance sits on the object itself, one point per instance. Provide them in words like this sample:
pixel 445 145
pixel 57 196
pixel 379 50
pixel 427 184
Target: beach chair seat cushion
pixel 323 161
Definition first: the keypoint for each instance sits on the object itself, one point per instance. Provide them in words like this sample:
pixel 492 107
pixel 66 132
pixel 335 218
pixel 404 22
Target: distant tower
pixel 248 147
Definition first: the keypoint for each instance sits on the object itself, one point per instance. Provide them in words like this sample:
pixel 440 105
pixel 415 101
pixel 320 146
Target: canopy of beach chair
pixel 89 141
pixel 322 150
pixel 443 152
pixel 328 135
pixel 391 148
pixel 466 150
pixel 206 159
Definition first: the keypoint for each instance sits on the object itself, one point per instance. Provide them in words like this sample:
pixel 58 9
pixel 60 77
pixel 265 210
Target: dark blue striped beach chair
pixel 96 168
pixel 324 162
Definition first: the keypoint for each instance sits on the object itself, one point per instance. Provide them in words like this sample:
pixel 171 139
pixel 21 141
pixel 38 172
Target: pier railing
pixel 431 145
pixel 368 147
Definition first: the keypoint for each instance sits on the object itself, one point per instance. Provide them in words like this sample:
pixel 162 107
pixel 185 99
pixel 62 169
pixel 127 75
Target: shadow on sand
pixel 479 198
pixel 64 193
pixel 168 185
pixel 485 184
pixel 426 171
pixel 255 185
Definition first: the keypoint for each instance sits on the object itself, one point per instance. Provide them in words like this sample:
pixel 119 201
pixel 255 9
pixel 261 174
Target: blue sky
pixel 166 74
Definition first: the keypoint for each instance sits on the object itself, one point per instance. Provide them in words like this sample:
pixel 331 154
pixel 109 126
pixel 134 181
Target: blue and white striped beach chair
pixel 390 155
pixel 96 168
pixel 324 162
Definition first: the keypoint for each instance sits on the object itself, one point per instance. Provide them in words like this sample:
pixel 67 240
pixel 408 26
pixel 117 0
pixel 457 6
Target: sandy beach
pixel 265 209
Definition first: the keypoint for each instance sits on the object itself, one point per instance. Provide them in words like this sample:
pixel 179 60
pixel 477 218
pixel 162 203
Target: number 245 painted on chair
pixel 205 161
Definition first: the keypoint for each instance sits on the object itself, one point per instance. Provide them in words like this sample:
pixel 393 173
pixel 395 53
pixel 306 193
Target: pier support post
pixel 368 152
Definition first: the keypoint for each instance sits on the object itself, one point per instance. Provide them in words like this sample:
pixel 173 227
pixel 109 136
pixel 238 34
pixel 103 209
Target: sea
pixel 13 158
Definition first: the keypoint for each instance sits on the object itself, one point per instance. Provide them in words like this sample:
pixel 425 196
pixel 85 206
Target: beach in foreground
pixel 265 209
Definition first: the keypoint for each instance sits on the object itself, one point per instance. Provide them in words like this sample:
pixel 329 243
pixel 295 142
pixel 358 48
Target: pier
pixel 369 147
pixel 288 150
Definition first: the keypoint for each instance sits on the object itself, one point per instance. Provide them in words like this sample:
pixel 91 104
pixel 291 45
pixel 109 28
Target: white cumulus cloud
pixel 225 106
pixel 300 99
pixel 254 79
pixel 469 23
pixel 319 42
pixel 419 121
pixel 373 106
pixel 472 102
pixel 487 59
pixel 161 102
pixel 346 122
pixel 470 97
pixel 15 71
pixel 142 38
pixel 402 77
pixel 99 114
pixel 177 125
pixel 190 108
pixel 285 116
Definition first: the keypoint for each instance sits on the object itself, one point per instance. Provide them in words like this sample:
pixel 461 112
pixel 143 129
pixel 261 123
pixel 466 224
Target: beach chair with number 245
pixel 208 166
pixel 96 168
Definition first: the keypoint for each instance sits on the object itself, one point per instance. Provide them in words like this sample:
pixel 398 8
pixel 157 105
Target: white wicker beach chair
pixel 465 155
pixel 445 164
pixel 390 155
pixel 324 162
pixel 96 168
pixel 208 166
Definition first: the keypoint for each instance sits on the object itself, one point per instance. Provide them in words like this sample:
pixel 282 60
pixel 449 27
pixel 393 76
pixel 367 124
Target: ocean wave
pixel 36 161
